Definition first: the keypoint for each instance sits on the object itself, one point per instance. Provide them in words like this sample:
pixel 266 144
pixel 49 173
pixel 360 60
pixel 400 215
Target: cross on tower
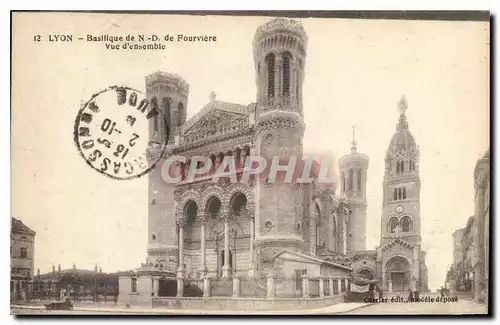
pixel 353 143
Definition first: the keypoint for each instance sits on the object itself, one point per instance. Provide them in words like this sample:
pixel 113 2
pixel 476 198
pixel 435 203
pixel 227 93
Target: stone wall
pixel 229 303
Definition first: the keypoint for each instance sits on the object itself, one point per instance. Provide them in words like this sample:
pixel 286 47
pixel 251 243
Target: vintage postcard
pixel 266 163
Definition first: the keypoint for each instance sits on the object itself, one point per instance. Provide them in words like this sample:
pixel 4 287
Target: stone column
pixel 270 286
pixel 390 285
pixel 305 286
pixel 321 286
pixel 236 286
pixel 346 281
pixel 156 286
pixel 180 270
pixel 251 255
pixel 384 275
pixel 206 286
pixel 415 268
pixel 235 159
pixel 226 268
pixel 339 285
pixel 330 285
pixel 203 264
pixel 313 236
pixel 180 285
pixel 344 235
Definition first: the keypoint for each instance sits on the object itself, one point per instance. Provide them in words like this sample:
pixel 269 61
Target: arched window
pixel 343 183
pixel 402 166
pixel 238 204
pixel 393 223
pixel 180 114
pixel 166 113
pixel 351 179
pixel 191 210
pixel 406 224
pixel 404 193
pixel 397 167
pixel 318 235
pixel 154 106
pixel 287 58
pixel 358 180
pixel 395 194
pixel 270 62
pixel 213 207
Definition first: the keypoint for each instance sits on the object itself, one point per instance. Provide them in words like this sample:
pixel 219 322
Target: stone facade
pixel 277 238
pixel 469 272
pixel 22 249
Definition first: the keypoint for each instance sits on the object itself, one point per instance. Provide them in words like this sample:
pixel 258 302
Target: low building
pixel 22 247
pixel 77 284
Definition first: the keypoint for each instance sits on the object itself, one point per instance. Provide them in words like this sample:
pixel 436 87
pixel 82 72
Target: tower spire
pixel 353 143
pixel 402 107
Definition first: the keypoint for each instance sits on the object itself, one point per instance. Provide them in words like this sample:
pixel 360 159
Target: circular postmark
pixel 112 133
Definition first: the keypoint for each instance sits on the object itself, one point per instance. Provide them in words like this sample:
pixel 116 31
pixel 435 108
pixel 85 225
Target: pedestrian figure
pixel 380 293
pixel 416 295
pixel 410 296
pixel 442 292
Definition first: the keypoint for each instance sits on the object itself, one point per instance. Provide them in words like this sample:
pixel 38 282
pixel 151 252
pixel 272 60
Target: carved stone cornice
pixel 279 120
pixel 220 143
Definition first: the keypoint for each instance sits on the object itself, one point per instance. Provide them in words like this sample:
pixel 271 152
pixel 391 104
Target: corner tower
pixel 401 186
pixel 169 94
pixel 279 49
pixel 353 171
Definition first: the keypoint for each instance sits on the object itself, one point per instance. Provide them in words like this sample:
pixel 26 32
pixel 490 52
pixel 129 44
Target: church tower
pixel 400 258
pixel 279 49
pixel 169 94
pixel 353 174
pixel 401 186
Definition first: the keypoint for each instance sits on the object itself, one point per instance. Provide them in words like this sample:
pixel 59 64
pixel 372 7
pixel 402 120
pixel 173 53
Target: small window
pixel 24 252
pixel 153 236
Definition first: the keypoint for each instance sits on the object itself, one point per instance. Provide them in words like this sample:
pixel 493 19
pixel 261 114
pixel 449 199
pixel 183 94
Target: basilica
pixel 200 229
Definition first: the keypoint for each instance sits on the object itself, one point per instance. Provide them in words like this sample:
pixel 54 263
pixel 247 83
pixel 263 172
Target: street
pixel 433 308
pixel 389 308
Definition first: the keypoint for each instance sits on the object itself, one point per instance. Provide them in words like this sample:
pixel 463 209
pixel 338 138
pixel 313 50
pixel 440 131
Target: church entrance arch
pixel 398 270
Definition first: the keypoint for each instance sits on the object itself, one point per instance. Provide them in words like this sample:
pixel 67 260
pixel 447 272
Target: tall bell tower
pixel 353 176
pixel 168 93
pixel 401 186
pixel 279 49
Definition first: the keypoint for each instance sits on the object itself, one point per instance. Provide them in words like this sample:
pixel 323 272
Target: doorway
pixel 399 283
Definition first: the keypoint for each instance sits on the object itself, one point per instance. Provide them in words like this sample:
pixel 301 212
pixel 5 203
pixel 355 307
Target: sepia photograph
pixel 250 163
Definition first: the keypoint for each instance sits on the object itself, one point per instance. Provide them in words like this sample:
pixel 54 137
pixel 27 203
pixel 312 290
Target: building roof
pixel 19 227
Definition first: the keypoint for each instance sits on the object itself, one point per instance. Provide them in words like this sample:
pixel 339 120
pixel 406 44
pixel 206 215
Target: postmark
pixel 111 133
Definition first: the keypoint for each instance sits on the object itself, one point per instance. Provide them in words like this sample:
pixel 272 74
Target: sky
pixel 355 74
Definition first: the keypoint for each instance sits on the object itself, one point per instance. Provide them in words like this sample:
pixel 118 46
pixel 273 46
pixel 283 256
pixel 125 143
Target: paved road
pixel 389 308
pixel 428 308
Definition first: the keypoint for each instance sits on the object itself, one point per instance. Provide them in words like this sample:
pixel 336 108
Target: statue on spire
pixel 402 107
pixel 213 95
pixel 353 143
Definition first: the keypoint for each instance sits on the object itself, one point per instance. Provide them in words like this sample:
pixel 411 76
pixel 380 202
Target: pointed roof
pixel 214 105
pixel 19 227
pixel 402 138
